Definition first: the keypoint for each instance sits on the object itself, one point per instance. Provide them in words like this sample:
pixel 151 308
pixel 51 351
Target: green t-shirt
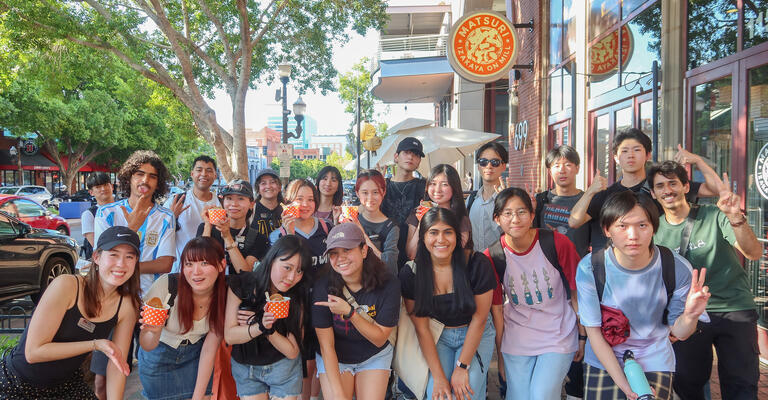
pixel 711 246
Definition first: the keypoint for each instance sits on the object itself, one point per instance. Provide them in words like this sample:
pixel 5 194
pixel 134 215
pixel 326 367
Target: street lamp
pixel 299 107
pixel 17 154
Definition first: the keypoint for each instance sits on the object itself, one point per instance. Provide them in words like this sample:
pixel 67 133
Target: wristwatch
pixel 462 365
pixel 231 246
pixel 349 314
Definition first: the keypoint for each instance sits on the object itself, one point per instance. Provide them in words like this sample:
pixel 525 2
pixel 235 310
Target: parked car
pixel 37 193
pixel 32 213
pixel 30 258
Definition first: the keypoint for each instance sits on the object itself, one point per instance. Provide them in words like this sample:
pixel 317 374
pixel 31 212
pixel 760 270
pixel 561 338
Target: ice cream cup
pixel 420 211
pixel 216 215
pixel 279 308
pixel 348 212
pixel 292 210
pixel 154 316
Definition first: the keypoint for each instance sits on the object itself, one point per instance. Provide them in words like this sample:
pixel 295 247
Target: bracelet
pixel 265 331
pixel 230 247
pixel 249 331
pixel 582 337
pixel 740 223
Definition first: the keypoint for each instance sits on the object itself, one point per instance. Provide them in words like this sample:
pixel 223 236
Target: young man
pixel 142 179
pixel 712 237
pixel 631 150
pixel 101 189
pixel 243 246
pixel 404 192
pixel 630 278
pixel 189 206
pixel 491 159
pixel 553 207
pixel 267 211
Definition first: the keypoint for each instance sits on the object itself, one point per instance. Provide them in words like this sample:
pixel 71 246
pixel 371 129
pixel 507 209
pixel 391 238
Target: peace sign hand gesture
pixel 729 202
pixel 698 295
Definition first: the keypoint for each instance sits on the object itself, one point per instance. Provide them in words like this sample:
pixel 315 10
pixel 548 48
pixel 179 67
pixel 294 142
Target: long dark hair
pixel 454 180
pixel 285 248
pixel 375 274
pixel 425 281
pixel 202 248
pixel 338 197
pixel 92 287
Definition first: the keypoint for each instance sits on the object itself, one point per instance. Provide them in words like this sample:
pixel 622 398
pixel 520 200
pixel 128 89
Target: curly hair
pixel 133 163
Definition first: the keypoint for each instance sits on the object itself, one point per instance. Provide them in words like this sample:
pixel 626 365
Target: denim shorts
pixel 167 373
pixel 381 360
pixel 279 379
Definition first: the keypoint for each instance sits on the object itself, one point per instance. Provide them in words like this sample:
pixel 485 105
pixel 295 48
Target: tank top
pixel 52 373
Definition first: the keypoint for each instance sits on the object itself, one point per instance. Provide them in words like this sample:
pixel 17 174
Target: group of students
pixel 560 283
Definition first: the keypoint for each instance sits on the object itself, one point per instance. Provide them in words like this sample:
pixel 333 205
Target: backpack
pixel 86 250
pixel 173 288
pixel 667 274
pixel 471 199
pixel 542 199
pixel 547 242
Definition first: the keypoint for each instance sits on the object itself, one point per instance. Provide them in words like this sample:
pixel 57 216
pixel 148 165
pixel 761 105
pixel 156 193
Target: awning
pixel 37 162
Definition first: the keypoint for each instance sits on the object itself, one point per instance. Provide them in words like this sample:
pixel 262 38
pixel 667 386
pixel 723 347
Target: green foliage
pixel 340 162
pixel 7 343
pixel 301 169
pixel 353 84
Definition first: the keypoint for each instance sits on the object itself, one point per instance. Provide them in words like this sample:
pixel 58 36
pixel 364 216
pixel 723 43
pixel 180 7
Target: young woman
pixel 73 318
pixel 329 184
pixel 630 262
pixel 267 211
pixel 381 233
pixel 455 287
pixel 540 325
pixel 176 360
pixel 444 190
pixel 355 353
pixel 265 351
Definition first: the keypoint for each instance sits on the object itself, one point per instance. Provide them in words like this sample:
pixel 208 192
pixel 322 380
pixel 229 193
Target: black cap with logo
pixel 411 144
pixel 117 235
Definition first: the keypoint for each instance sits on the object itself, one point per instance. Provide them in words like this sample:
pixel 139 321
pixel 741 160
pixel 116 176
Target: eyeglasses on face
pixel 483 162
pixel 521 213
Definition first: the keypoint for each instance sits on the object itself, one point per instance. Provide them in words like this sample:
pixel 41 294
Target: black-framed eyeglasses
pixel 483 162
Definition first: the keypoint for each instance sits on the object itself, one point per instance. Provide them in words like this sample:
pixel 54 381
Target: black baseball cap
pixel 237 186
pixel 117 235
pixel 266 171
pixel 411 144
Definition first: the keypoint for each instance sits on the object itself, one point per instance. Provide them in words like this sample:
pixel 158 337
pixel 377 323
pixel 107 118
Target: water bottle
pixel 636 377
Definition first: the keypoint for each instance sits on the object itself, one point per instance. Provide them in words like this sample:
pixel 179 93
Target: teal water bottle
pixel 636 377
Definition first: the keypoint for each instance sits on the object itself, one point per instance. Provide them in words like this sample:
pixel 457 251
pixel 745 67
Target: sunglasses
pixel 483 162
pixel 235 187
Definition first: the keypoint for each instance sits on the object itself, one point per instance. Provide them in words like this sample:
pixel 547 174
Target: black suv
pixel 31 258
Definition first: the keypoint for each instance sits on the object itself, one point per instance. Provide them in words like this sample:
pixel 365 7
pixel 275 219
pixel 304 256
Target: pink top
pixel 538 318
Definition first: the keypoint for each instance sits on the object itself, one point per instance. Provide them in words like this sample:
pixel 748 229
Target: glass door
pixel 606 124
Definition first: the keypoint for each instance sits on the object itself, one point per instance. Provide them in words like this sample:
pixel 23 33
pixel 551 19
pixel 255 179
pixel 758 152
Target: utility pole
pixel 359 152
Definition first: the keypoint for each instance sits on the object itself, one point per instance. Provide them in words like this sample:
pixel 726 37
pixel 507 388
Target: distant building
pixel 329 144
pixel 262 148
pixel 308 126
pixel 306 154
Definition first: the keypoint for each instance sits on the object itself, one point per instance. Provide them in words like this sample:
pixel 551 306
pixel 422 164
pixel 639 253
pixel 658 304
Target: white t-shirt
pixel 188 221
pixel 157 235
pixel 86 222
pixel 171 334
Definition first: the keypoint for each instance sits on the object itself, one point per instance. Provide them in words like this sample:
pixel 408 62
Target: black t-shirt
pixel 482 279
pixel 265 220
pixel 465 226
pixel 248 241
pixel 259 351
pixel 315 242
pixel 383 304
pixel 598 239
pixel 399 202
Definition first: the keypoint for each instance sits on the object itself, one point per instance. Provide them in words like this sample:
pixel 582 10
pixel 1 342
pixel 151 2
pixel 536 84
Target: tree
pixel 353 84
pixel 341 162
pixel 84 106
pixel 301 169
pixel 195 46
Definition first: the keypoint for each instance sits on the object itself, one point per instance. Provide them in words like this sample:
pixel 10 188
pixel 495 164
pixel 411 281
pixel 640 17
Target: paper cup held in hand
pixel 154 316
pixel 348 212
pixel 279 308
pixel 292 210
pixel 216 215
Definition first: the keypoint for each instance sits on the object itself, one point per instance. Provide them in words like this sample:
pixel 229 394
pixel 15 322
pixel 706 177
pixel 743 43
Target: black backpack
pixel 471 200
pixel 86 250
pixel 542 199
pixel 173 288
pixel 667 274
pixel 547 242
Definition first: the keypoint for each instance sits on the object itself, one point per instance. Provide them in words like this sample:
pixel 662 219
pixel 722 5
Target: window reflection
pixel 755 22
pixel 556 32
pixel 645 44
pixel 712 29
pixel 603 144
pixel 560 89
pixel 603 14
pixel 713 104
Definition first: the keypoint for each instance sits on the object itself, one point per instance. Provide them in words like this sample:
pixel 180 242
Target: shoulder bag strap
pixel 685 238
pixel 598 271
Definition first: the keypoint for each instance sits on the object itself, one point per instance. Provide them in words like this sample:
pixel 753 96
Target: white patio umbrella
pixel 441 145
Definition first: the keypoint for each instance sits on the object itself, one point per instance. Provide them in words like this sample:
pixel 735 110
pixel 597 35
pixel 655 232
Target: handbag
pixel 409 362
pixel 615 325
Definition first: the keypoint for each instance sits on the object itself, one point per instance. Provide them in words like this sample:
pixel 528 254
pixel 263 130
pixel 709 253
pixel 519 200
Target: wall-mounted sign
pixel 29 148
pixel 482 46
pixel 604 55
pixel 520 135
pixel 761 171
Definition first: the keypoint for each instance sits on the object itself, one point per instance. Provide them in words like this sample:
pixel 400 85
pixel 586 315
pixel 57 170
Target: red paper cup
pixel 420 211
pixel 279 308
pixel 348 212
pixel 292 210
pixel 154 316
pixel 216 215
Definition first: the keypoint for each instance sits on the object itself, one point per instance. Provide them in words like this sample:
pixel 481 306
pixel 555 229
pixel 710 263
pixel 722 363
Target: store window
pixel 560 89
pixel 603 15
pixel 712 30
pixel 712 129
pixel 755 22
pixel 562 31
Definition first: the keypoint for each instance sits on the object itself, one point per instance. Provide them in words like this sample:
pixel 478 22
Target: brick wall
pixel 530 92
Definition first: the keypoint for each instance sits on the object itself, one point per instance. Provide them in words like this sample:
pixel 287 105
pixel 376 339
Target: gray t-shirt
pixel 387 245
pixel 554 215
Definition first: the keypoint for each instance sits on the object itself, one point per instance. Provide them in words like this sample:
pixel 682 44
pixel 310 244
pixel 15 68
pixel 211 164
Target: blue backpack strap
pixel 547 242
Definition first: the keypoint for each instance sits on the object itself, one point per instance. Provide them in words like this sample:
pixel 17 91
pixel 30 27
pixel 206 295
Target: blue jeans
pixel 167 373
pixel 449 348
pixel 536 377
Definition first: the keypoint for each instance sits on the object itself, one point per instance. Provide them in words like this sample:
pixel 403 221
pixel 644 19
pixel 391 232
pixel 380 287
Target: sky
pixel 327 110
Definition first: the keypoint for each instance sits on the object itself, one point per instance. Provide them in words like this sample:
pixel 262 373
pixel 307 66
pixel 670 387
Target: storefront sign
pixel 482 46
pixel 761 171
pixel 604 55
pixel 521 135
pixel 29 148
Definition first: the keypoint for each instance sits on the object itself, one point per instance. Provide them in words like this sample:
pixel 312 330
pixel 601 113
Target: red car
pixel 33 213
